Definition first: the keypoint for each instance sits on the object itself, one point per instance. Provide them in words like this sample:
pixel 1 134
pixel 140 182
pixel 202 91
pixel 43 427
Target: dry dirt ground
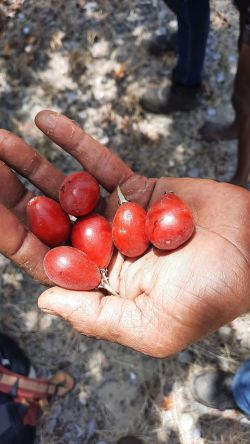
pixel 90 61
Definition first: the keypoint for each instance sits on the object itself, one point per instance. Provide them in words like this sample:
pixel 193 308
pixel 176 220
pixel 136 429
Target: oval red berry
pixel 128 230
pixel 48 221
pixel 92 234
pixel 79 194
pixel 169 222
pixel 72 269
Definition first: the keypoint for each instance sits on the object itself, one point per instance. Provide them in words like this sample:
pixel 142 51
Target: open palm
pixel 167 300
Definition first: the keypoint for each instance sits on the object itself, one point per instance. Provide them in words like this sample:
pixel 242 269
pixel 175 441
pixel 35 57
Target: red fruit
pixel 128 228
pixel 48 221
pixel 92 234
pixel 169 223
pixel 79 194
pixel 71 268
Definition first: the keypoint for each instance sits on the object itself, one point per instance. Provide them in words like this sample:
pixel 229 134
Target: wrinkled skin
pixel 168 300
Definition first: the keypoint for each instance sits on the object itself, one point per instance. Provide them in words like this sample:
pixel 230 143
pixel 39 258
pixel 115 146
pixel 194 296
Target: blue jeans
pixel 241 387
pixel 193 17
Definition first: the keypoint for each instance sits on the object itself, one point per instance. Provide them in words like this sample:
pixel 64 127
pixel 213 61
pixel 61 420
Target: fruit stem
pixel 106 285
pixel 121 197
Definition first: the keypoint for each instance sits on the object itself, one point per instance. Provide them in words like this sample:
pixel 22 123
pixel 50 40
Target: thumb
pixel 112 318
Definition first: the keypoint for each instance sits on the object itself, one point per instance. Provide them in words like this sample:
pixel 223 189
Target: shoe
pixel 129 440
pixel 162 43
pixel 213 389
pixel 167 101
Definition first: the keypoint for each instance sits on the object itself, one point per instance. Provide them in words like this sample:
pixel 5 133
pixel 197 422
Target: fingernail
pixel 46 310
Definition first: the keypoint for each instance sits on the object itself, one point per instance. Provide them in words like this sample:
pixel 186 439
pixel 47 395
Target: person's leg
pixel 241 103
pixel 241 387
pixel 193 22
pixel 227 131
pixel 193 18
pixel 241 175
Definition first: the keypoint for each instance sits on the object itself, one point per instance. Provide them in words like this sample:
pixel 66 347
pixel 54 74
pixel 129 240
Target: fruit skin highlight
pixel 169 223
pixel 79 194
pixel 48 221
pixel 128 228
pixel 92 235
pixel 71 268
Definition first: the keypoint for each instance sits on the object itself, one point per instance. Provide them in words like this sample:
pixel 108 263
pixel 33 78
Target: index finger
pixel 107 168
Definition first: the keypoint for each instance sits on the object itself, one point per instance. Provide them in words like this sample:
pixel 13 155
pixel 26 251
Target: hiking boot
pixel 162 44
pixel 167 101
pixel 213 389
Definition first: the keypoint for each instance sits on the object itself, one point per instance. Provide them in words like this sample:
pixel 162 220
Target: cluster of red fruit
pixel 167 225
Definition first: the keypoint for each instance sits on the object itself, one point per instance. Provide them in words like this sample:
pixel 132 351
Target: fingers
pixel 21 246
pixel 108 169
pixel 13 193
pixel 136 189
pixel 111 318
pixel 20 156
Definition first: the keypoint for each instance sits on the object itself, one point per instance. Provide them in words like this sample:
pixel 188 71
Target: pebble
pixel 91 7
pixel 26 30
pixel 188 426
pixel 83 397
pixel 232 59
pixel 91 429
pixel 132 377
pixel 30 319
pixel 220 77
pixel 211 112
pixel 100 49
pixel 193 172
pixel 173 25
pixel 46 321
pixel 185 357
pixel 216 56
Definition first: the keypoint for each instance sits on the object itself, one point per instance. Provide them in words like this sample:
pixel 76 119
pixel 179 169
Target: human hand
pixel 167 300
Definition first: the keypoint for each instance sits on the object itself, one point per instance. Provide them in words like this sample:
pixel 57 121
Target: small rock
pixel 211 112
pixel 187 422
pixel 225 332
pixel 71 97
pixel 91 7
pixel 28 49
pixel 185 357
pixel 189 427
pixel 216 56
pixel 91 429
pixel 26 30
pixel 30 319
pixel 13 279
pixel 100 49
pixel 83 397
pixel 46 321
pixel 173 24
pixel 193 172
pixel 232 58
pixel 220 77
pixel 132 377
